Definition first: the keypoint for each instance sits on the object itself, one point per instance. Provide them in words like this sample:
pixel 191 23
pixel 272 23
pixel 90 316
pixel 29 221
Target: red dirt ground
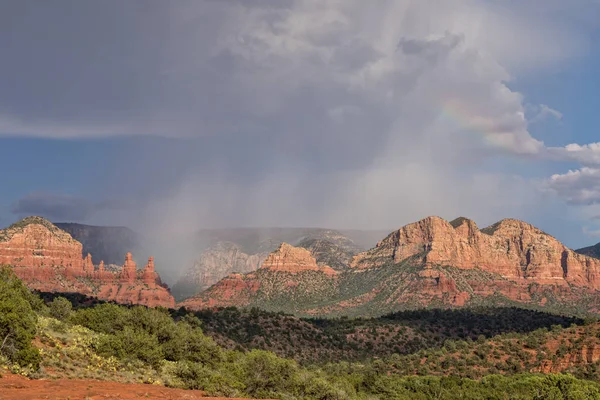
pixel 16 387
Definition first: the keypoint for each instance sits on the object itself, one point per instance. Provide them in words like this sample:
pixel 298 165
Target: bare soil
pixel 16 387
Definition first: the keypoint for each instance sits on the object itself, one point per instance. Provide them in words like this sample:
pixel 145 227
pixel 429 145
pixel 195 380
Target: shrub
pixel 17 321
pixel 131 344
pixel 266 375
pixel 60 308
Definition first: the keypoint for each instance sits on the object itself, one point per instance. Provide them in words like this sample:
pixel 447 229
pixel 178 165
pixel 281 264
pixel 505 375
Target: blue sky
pixel 173 116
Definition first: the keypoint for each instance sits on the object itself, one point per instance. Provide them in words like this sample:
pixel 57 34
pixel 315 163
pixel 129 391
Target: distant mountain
pixel 591 251
pixel 106 243
pixel 242 250
pixel 430 263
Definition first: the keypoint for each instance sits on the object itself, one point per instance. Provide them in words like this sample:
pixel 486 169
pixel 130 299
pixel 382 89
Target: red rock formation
pixel 513 249
pixel 430 262
pixel 239 289
pixel 129 270
pixel 48 259
pixel 35 242
pixel 288 258
pixel 234 290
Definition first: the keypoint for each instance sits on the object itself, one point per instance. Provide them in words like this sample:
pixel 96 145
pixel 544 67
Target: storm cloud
pixel 329 113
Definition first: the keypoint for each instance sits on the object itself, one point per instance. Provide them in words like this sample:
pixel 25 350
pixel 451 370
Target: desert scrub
pixel 72 347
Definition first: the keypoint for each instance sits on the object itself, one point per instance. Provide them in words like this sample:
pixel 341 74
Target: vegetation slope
pixel 137 344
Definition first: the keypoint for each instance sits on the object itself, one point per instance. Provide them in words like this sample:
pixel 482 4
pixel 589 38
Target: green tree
pixel 60 308
pixel 17 320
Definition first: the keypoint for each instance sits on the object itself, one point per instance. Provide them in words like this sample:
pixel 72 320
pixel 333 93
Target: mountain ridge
pixel 431 262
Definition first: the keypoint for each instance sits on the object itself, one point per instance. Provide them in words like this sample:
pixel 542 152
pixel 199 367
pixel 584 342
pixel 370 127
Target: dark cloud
pixel 61 207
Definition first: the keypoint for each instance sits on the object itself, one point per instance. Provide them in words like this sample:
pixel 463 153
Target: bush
pixel 130 344
pixel 214 382
pixel 17 321
pixel 266 375
pixel 60 308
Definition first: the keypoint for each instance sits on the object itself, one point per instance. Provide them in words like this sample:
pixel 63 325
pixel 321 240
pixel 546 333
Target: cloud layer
pixel 60 207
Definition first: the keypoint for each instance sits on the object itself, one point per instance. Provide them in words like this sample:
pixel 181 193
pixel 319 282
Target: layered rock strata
pixel 510 248
pixel 49 259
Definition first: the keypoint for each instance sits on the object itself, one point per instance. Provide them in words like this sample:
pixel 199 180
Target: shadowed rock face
pixel 429 262
pixel 107 243
pixel 49 259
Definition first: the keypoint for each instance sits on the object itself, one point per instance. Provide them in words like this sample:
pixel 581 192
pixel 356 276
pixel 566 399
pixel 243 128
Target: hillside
pixel 431 263
pixel 574 350
pixel 48 259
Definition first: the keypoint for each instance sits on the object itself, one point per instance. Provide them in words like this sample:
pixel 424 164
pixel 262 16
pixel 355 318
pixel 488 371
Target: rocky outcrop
pixel 510 248
pixel 49 259
pixel 35 242
pixel 283 270
pixel 235 290
pixel 294 260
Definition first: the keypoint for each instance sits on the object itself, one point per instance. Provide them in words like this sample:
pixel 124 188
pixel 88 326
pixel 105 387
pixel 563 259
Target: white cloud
pixel 579 187
pixel 587 154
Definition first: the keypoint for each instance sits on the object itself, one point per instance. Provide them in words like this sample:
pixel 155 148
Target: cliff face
pixel 331 248
pixel 35 242
pixel 49 259
pixel 429 263
pixel 510 248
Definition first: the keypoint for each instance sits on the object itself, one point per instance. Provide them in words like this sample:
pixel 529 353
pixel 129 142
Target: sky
pixel 169 117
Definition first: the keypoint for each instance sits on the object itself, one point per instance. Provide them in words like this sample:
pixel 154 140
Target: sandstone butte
pixel 513 250
pixel 49 259
pixel 237 289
